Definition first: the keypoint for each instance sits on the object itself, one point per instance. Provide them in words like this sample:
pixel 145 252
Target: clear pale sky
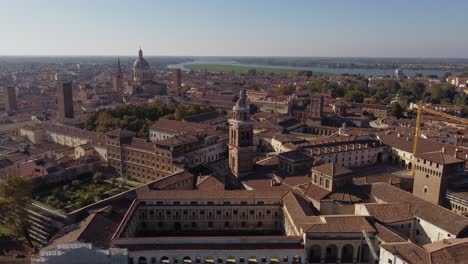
pixel 352 28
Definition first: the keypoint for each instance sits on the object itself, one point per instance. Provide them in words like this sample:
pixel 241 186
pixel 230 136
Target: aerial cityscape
pixel 233 132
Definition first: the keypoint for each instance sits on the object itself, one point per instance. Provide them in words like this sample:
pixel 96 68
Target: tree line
pixel 139 117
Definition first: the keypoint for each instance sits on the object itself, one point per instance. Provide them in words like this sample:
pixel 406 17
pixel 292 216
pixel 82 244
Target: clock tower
pixel 241 147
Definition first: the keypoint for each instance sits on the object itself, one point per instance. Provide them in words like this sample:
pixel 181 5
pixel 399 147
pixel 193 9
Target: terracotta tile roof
pixel 141 143
pixel 178 140
pixel 332 169
pixel 386 235
pixel 407 251
pixel 315 192
pixel 437 215
pixel 348 194
pixel 263 184
pixel 439 157
pixel 390 212
pixel 448 251
pixel 94 137
pixel 97 228
pixel 293 181
pixel 209 183
pixel 405 143
pixel 145 193
pixel 121 133
pixel 174 126
pixel 170 180
pixel 341 224
pixel 300 211
pixel 295 155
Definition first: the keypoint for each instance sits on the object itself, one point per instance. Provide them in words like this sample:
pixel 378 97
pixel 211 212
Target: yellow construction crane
pixel 417 133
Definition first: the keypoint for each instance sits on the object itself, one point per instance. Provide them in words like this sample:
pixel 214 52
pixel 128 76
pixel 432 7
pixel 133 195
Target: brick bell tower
pixel 241 147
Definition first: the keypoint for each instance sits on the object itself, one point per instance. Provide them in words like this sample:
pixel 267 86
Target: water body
pixel 365 72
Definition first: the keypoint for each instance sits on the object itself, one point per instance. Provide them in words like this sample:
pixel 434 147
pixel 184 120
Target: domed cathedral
pixel 141 69
pixel 241 146
pixel 143 85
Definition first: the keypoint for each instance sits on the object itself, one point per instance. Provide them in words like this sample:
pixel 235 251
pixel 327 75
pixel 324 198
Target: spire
pixel 242 102
pixel 119 67
pixel 140 53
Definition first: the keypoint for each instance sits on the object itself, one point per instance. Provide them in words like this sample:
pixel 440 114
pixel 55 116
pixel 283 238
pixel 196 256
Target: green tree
pixel 397 109
pixel 464 74
pixel 252 71
pixel 284 90
pixel 464 111
pixel 178 114
pixel 15 198
pixel 446 75
pixel 415 89
pixel 317 86
pixel 354 96
pixel 98 177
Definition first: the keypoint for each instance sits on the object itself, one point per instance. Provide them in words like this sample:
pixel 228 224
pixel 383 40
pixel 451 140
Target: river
pixel 362 71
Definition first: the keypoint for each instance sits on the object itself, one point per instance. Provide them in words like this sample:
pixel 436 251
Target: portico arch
pixel 274 260
pixel 209 260
pixel 253 260
pixel 142 260
pixel 164 260
pixel 347 253
pixel 315 253
pixel 331 254
pixel 231 259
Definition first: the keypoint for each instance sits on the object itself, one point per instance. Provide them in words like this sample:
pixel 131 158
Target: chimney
pixel 398 135
pixel 443 150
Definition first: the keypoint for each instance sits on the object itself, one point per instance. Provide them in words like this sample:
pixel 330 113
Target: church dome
pixel 141 63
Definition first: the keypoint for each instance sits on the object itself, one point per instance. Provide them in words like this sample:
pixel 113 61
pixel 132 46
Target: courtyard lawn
pixel 4 230
pixel 80 193
pixel 243 69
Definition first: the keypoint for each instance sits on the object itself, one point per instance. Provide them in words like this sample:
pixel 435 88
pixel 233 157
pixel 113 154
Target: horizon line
pixel 235 56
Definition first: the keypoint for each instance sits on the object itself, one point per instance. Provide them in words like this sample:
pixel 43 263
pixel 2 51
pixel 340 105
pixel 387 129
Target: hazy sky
pixel 355 28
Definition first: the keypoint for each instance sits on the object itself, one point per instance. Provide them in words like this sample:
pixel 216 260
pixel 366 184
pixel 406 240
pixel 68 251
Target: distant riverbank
pixel 230 66
pixel 243 69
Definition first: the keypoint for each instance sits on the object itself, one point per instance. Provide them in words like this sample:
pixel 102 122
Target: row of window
pixel 200 203
pixel 428 171
pixel 169 213
pixel 178 225
pixel 153 260
pixel 459 208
